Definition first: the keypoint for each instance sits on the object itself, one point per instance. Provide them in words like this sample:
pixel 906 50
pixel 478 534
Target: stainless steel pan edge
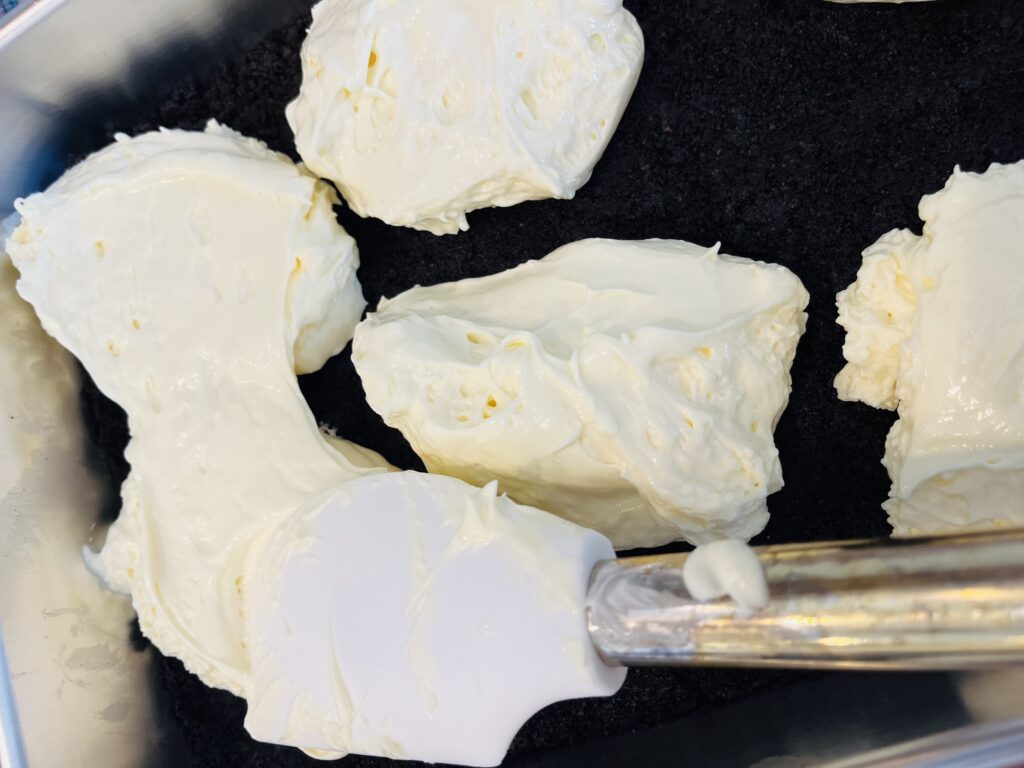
pixel 69 69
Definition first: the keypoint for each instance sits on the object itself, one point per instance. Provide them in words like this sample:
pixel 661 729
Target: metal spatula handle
pixel 936 603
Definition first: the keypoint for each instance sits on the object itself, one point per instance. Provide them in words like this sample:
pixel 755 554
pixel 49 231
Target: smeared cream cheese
pixel 422 111
pixel 194 274
pixel 68 642
pixel 631 387
pixel 414 616
pixel 727 567
pixel 934 328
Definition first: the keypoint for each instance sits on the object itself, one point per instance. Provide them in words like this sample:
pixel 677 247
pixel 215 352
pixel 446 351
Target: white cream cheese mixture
pixel 193 274
pixel 727 567
pixel 935 330
pixel 632 387
pixel 422 111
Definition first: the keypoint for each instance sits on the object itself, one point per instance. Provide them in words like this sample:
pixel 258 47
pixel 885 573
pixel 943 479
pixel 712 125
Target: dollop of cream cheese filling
pixel 193 274
pixel 934 329
pixel 414 616
pixel 631 387
pixel 422 111
pixel 726 568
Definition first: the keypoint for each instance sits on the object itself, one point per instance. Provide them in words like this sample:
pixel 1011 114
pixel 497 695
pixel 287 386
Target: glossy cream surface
pixel 631 387
pixel 193 274
pixel 414 616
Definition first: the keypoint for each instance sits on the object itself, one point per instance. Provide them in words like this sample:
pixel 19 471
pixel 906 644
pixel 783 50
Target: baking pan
pixel 794 131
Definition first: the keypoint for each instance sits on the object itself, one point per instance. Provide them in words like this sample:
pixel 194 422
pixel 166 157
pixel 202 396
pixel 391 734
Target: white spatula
pixel 410 615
